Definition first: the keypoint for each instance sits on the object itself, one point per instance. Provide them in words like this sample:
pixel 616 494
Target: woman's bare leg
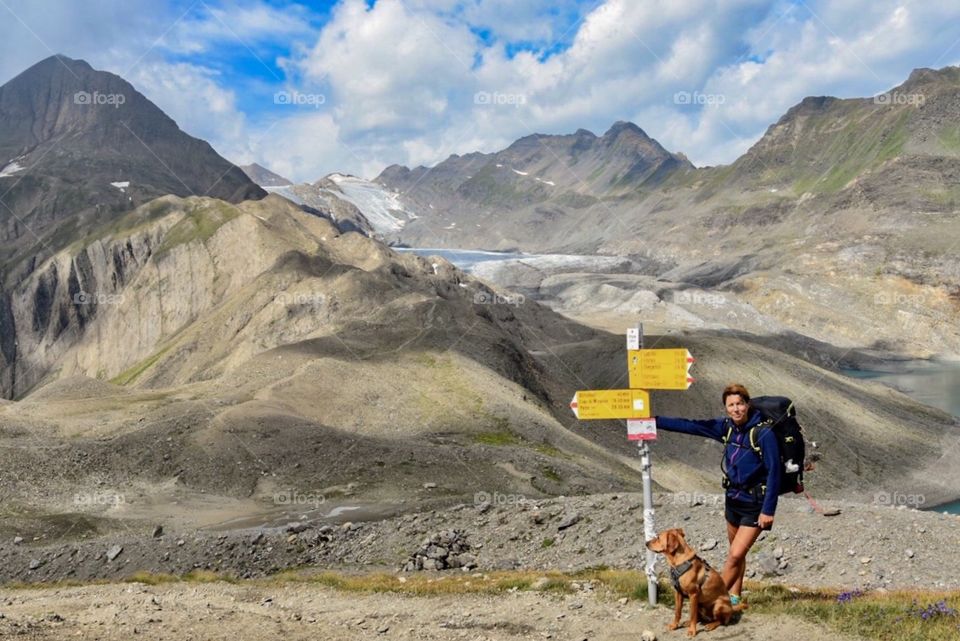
pixel 741 539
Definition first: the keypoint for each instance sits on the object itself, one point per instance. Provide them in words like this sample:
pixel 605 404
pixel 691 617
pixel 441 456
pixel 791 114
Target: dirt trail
pixel 255 612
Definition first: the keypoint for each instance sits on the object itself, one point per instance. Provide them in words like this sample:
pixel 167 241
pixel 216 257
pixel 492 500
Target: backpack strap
pixel 754 443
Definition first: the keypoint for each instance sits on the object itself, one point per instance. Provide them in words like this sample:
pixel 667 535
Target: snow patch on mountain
pixel 382 208
pixel 10 169
pixel 287 192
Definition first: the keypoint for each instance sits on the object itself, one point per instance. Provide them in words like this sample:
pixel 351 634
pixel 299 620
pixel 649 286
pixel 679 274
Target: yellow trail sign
pixel 659 368
pixel 602 404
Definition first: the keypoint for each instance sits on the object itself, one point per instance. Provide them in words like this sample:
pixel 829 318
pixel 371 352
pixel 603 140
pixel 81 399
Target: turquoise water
pixel 465 259
pixel 953 508
pixel 936 384
pixel 931 383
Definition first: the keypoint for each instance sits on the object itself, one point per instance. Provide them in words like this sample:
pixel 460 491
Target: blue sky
pixel 307 88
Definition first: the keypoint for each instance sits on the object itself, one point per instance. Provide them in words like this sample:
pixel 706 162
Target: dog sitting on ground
pixel 694 578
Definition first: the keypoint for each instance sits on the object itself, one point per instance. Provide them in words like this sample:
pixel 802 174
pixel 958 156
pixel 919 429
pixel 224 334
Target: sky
pixel 309 88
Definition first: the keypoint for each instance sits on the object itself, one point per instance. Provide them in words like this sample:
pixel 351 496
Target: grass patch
pixel 499 437
pixel 891 616
pixel 949 138
pixel 546 543
pixel 200 223
pixel 921 615
pixel 428 584
pixel 549 450
pixel 132 373
pixel 550 473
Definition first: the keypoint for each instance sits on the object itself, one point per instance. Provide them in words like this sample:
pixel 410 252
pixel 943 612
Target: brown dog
pixel 693 577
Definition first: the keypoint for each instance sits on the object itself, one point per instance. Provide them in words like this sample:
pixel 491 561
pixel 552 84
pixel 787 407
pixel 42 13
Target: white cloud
pixel 248 24
pixel 194 98
pixel 300 147
pixel 400 79
pixel 853 50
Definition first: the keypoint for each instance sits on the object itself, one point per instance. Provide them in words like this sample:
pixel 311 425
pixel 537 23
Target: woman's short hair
pixel 736 389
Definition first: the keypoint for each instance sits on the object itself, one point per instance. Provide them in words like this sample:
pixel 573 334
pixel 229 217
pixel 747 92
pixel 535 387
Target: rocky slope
pixel 264 177
pixel 866 546
pixel 352 204
pixel 81 147
pixel 227 333
pixel 839 224
pixel 530 189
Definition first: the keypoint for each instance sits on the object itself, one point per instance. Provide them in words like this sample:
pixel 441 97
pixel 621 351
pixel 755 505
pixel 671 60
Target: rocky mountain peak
pixel 264 177
pixel 622 127
pixel 66 128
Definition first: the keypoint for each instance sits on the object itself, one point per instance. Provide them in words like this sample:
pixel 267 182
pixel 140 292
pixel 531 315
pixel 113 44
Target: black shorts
pixel 740 512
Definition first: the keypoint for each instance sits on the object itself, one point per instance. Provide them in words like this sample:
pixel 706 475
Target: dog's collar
pixel 683 568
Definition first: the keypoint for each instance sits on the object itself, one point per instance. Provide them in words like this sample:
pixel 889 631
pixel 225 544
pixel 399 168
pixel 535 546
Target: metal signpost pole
pixel 649 531
pixel 647 369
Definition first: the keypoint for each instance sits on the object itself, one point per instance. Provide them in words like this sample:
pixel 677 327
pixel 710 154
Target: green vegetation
pixel 920 615
pixel 546 543
pixel 131 374
pixel 550 473
pixel 947 198
pixel 202 221
pixel 496 438
pixel 549 450
pixel 852 150
pixel 949 137
pixel 596 173
pixel 893 616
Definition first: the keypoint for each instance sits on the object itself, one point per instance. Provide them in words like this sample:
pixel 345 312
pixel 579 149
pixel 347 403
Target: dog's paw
pixel 673 626
pixel 692 632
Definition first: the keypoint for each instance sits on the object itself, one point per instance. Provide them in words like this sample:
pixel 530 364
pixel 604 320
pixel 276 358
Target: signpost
pixel 659 368
pixel 648 369
pixel 605 404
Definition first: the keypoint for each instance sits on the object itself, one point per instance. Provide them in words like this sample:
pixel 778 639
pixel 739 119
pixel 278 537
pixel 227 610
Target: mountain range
pixel 80 147
pixel 202 345
pixel 844 209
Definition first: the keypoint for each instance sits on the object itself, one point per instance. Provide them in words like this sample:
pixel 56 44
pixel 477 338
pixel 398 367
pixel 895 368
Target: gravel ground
pixel 865 546
pixel 250 612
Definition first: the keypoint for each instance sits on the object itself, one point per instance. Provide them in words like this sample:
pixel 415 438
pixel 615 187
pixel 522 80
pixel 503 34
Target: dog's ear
pixel 672 542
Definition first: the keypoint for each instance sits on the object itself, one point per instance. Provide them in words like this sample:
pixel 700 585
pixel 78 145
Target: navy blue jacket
pixel 744 466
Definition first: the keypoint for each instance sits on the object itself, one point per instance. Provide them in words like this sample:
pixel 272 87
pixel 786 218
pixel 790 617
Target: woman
pixel 749 508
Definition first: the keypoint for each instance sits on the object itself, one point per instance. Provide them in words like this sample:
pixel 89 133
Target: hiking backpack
pixel 780 415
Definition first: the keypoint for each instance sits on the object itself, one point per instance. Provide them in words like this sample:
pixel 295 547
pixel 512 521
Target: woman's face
pixel 737 409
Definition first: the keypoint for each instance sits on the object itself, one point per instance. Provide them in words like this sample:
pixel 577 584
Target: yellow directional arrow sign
pixel 659 368
pixel 601 404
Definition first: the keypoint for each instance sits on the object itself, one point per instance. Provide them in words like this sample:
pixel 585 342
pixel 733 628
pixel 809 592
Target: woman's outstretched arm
pixel 711 427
